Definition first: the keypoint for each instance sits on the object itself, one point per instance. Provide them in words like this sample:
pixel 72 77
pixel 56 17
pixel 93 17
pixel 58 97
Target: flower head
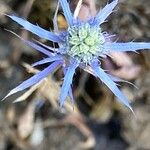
pixel 81 45
pixel 84 42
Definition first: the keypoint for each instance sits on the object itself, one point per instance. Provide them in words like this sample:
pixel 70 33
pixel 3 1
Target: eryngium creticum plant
pixel 82 45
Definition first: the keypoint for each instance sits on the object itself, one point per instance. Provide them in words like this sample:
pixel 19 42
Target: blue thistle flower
pixel 81 45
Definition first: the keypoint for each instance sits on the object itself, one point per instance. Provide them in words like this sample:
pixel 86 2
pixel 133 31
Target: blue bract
pixel 81 45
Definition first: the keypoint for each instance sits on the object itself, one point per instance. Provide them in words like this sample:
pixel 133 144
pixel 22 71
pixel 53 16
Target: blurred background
pixel 96 121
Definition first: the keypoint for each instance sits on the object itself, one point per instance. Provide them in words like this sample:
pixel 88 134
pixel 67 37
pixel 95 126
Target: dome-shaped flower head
pixel 81 45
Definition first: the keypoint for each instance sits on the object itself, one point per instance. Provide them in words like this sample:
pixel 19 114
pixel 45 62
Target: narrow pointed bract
pixel 38 48
pixel 67 12
pixel 48 60
pixel 36 29
pixel 105 12
pixel 67 82
pixel 129 46
pixel 34 79
pixel 110 84
pixel 81 45
pixel 34 45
